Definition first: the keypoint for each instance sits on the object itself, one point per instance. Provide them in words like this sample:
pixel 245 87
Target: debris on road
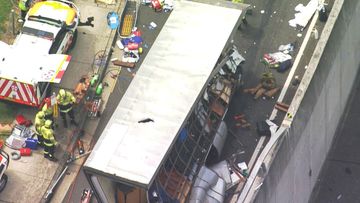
pixel 241 121
pixel 281 106
pixel 304 14
pixel 287 48
pixel 273 60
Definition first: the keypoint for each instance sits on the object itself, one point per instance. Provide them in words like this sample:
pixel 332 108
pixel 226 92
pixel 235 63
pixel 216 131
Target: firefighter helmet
pixel 41 114
pixel 62 92
pixel 48 123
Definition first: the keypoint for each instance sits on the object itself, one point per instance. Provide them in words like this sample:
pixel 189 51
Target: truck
pixel 39 54
pixel 170 122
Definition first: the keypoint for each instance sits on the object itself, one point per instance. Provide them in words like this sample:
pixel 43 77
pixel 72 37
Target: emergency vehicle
pixel 38 55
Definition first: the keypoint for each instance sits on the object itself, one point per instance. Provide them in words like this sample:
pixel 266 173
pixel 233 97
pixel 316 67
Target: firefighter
pixel 49 141
pixel 66 101
pixel 39 122
pixel 24 6
pixel 49 111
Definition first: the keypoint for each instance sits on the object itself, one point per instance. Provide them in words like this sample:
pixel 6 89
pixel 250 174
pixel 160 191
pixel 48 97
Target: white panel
pixel 165 88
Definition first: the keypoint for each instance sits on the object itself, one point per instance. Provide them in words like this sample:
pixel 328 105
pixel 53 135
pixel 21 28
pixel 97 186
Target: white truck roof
pixel 24 65
pixel 165 88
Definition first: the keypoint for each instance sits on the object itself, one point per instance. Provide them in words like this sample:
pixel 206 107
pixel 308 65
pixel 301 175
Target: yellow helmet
pixel 62 92
pixel 48 123
pixel 41 114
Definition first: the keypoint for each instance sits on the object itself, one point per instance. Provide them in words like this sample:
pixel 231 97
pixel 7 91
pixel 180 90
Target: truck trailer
pixel 170 121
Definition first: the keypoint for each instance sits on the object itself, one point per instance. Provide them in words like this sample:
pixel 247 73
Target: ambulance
pixel 38 56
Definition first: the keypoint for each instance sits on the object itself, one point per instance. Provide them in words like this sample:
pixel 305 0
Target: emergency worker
pixel 48 140
pixel 49 111
pixel 24 6
pixel 66 101
pixel 39 122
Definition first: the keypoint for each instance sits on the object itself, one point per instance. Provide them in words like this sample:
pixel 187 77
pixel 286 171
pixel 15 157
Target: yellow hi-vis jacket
pixel 24 5
pixel 39 122
pixel 47 110
pixel 48 134
pixel 67 100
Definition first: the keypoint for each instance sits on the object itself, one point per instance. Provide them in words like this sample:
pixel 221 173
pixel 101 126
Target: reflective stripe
pixel 65 108
pixel 48 143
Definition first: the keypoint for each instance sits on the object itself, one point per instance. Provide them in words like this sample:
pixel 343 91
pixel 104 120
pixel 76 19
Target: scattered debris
pixel 316 33
pixel 273 60
pixel 323 13
pixel 153 25
pixel 241 122
pixel 287 48
pixel 86 195
pixel 339 197
pixel 124 64
pixel 281 106
pixel 18 136
pixel 296 80
pixel 304 14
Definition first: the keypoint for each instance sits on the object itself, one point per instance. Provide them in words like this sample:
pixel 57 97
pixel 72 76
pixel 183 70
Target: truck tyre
pixel 3 182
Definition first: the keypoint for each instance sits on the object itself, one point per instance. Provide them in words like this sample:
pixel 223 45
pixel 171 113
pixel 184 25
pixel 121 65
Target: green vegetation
pixel 5 9
pixel 7 112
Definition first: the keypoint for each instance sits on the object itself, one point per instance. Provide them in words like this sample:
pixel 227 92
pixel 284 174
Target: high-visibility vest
pixel 39 122
pixel 65 100
pixel 48 134
pixel 23 5
pixel 47 110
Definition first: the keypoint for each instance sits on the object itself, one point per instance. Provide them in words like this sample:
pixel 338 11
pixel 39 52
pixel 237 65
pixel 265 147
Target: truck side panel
pixel 18 92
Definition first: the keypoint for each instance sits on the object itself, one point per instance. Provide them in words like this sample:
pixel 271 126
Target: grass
pixel 7 111
pixel 5 9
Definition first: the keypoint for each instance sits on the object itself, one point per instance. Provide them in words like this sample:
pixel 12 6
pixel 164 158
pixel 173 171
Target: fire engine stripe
pixel 8 89
pixel 24 96
pixel 17 95
pixel 34 95
pixel 1 84
pixel 60 74
pixel 4 92
pixel 28 92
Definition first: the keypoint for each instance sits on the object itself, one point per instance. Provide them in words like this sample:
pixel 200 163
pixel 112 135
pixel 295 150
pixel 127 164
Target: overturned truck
pixel 170 122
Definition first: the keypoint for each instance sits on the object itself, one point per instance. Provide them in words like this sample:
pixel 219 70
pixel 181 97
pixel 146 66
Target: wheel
pixel 3 182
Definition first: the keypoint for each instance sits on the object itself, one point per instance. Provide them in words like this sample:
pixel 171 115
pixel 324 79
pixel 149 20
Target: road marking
pixel 296 63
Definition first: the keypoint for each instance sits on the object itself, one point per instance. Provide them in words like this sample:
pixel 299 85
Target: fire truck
pixel 38 56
